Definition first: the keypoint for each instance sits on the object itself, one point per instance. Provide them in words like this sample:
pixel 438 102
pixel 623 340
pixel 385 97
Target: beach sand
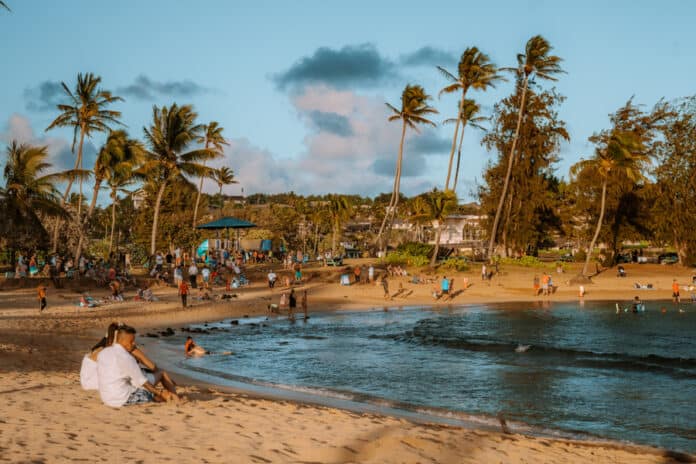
pixel 47 417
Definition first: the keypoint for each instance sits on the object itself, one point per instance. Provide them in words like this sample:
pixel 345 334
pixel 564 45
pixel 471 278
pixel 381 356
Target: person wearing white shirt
pixel 121 382
pixel 192 273
pixel 272 277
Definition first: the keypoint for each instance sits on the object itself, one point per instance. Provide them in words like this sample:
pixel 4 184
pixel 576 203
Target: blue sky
pixel 300 86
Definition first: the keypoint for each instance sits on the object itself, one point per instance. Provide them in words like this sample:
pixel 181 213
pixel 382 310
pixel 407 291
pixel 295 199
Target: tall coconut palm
pixel 339 209
pixel 4 5
pixel 624 153
pixel 475 71
pixel 86 113
pixel 119 153
pixel 414 108
pixel 536 61
pixel 120 175
pixel 28 193
pixel 467 116
pixel 212 139
pixel 172 131
pixel 222 176
pixel 439 205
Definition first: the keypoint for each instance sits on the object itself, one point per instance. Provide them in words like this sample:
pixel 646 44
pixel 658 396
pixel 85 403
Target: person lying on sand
pixel 121 382
pixel 193 350
pixel 88 371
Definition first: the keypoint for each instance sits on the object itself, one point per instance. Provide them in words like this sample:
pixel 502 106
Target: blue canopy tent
pixel 227 223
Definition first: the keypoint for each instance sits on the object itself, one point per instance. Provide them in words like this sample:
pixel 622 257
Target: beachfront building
pixel 463 232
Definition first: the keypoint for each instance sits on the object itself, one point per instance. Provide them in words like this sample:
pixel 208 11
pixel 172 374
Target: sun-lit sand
pixel 46 417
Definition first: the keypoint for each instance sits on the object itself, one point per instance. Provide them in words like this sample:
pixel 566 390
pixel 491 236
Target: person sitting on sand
pixel 193 350
pixel 121 382
pixel 88 371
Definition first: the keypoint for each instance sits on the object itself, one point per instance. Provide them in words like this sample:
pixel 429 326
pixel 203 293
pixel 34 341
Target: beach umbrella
pixel 227 223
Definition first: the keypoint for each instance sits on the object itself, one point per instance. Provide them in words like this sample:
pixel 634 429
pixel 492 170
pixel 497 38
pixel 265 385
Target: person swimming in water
pixel 637 305
pixel 193 350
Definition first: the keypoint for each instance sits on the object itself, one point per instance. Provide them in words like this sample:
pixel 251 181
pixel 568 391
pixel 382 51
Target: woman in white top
pixel 88 370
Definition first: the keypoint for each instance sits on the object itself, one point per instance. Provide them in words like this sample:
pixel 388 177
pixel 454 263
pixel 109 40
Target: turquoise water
pixel 581 370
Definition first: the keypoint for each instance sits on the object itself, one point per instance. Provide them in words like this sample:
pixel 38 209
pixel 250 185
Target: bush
pixel 401 258
pixel 455 263
pixel 416 249
pixel 531 261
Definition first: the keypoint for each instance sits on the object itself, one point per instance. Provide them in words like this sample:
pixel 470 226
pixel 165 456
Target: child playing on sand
pixel 41 294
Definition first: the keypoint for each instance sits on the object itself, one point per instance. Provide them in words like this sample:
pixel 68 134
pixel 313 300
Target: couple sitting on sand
pixel 113 368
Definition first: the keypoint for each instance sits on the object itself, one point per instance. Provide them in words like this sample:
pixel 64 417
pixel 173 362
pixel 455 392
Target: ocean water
pixel 576 370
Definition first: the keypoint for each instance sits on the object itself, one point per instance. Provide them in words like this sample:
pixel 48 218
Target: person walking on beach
pixel 444 286
pixel 385 286
pixel 41 294
pixel 536 285
pixel 356 272
pixel 484 272
pixel 183 292
pixel 193 274
pixel 675 291
pixel 371 273
pixel 303 304
pixel 272 277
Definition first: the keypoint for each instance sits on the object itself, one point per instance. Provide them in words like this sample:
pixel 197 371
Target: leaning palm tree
pixel 625 153
pixel 120 175
pixel 414 108
pixel 119 153
pixel 439 205
pixel 86 113
pixel 213 139
pixel 535 61
pixel 28 193
pixel 467 116
pixel 172 131
pixel 4 5
pixel 475 71
pixel 222 176
pixel 339 208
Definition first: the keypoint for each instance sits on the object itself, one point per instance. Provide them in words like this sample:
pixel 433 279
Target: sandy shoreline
pixel 48 418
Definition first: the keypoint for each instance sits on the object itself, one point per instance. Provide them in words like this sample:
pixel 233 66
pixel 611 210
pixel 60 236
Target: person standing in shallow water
pixel 303 304
pixel 292 305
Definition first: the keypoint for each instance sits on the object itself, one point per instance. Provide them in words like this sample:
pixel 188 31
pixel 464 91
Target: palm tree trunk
pixel 220 199
pixel 599 227
pixel 501 202
pixel 114 199
pixel 56 228
pixel 454 139
pixel 90 211
pixel 433 259
pixel 395 192
pixel 333 238
pixel 459 157
pixel 153 239
pixel 79 160
pixel 198 197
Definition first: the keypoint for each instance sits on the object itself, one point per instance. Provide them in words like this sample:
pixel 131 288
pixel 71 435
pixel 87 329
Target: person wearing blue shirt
pixel 444 286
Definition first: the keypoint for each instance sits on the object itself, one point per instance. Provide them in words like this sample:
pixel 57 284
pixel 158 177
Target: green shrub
pixel 416 249
pixel 455 263
pixel 401 258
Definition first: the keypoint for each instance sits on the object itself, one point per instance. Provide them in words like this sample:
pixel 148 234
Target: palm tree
pixel 118 157
pixel 624 153
pixel 439 205
pixel 222 176
pixel 122 174
pixel 414 108
pixel 535 61
pixel 475 71
pixel 172 131
pixel 468 116
pixel 86 113
pixel 4 5
pixel 212 138
pixel 339 210
pixel 28 193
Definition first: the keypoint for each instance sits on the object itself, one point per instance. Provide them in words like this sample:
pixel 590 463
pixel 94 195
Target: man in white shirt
pixel 272 277
pixel 193 274
pixel 121 382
